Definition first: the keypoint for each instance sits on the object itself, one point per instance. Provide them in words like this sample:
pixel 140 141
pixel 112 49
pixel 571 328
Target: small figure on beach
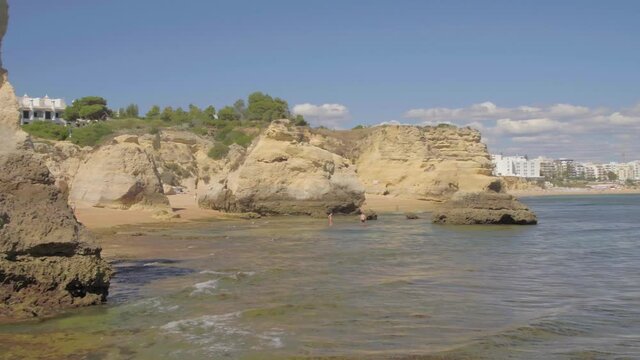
pixel 330 216
pixel 363 217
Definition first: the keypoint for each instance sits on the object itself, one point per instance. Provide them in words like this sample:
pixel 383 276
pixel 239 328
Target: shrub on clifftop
pixel 90 135
pixel 89 108
pixel 46 130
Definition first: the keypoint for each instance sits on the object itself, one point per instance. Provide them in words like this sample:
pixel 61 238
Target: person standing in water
pixel 363 217
pixel 330 216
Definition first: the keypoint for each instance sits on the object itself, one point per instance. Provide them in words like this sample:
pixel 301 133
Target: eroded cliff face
pixel 120 175
pixel 48 261
pixel 430 163
pixel 283 173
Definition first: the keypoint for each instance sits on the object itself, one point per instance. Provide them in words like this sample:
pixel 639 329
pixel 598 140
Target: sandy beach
pixel 381 203
pixel 183 205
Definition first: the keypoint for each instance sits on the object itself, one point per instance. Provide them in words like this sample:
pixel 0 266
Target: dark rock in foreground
pixel 484 208
pixel 47 260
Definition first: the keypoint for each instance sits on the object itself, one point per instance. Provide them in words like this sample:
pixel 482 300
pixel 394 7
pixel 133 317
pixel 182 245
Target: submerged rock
pixel 411 216
pixel 484 208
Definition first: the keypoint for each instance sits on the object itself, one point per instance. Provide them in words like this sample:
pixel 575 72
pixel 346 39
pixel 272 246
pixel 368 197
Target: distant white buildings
pixel 518 166
pixel 564 168
pixel 41 109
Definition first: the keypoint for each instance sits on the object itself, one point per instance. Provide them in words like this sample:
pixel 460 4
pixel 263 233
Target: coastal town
pixel 565 169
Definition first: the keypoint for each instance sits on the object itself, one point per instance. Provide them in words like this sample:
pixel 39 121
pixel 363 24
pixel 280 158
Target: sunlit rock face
pixel 48 261
pixel 423 162
pixel 488 207
pixel 283 173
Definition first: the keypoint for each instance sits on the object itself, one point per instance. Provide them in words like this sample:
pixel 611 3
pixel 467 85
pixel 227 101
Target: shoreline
pixel 101 219
pixel 571 192
pixel 182 204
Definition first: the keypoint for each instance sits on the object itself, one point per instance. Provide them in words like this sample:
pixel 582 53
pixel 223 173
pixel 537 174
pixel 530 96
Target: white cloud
pixel 531 126
pixel 559 129
pixel 331 115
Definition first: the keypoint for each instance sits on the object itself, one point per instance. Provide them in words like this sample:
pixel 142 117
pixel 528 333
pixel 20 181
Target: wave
pixel 222 335
pixel 205 287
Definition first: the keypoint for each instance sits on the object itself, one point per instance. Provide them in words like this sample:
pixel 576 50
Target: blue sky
pixel 355 62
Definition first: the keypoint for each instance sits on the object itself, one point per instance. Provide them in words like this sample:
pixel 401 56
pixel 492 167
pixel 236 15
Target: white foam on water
pixel 205 287
pixel 156 304
pixel 272 339
pixel 233 275
pixel 212 272
pixel 222 334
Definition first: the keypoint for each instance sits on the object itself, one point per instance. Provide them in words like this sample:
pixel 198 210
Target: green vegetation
pixel 47 130
pixel 90 135
pixel 300 121
pixel 358 127
pixel 236 124
pixel 264 107
pixel 153 113
pixel 130 111
pixel 218 151
pixel 88 108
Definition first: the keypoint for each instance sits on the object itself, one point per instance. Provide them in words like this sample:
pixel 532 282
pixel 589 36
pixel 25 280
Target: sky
pixel 553 78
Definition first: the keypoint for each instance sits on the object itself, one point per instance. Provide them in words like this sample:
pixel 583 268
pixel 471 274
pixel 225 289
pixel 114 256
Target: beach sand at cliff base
pixel 382 203
pixel 186 206
pixel 182 204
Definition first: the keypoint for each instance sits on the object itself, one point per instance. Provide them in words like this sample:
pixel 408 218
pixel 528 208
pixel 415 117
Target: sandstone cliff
pixel 47 260
pixel 119 175
pixel 429 163
pixel 283 173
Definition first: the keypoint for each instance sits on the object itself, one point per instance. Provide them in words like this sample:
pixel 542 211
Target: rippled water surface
pixel 568 288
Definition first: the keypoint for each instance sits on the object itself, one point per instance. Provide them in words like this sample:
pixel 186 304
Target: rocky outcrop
pixel 182 159
pixel 429 163
pixel 62 159
pixel 515 183
pixel 119 175
pixel 48 261
pixel 282 173
pixel 487 207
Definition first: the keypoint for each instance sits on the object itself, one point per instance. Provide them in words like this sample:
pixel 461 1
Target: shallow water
pixel 568 288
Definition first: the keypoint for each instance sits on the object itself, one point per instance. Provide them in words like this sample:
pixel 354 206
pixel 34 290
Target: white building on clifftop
pixel 41 109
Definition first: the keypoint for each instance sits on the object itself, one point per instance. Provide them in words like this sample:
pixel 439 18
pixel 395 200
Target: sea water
pixel 568 288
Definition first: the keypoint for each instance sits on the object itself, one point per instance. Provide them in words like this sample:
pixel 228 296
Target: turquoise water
pixel 568 288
